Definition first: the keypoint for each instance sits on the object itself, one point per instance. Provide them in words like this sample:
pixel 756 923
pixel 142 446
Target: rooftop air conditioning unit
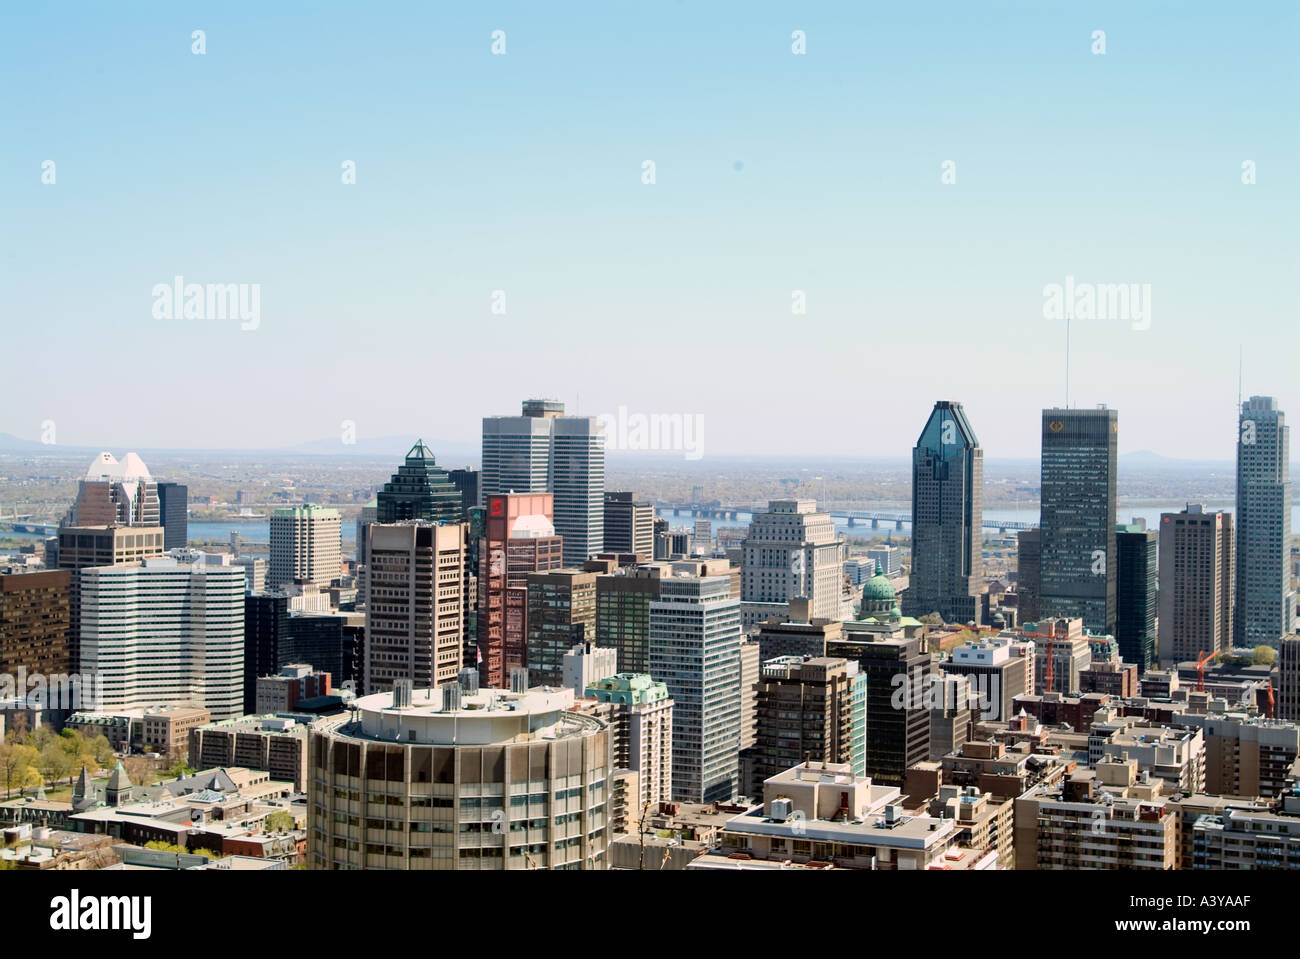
pixel 451 697
pixel 402 694
pixel 781 809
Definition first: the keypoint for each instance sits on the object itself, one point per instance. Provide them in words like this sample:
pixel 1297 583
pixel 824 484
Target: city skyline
pixel 749 437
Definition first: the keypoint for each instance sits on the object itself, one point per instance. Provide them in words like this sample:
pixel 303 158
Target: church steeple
pixel 119 786
pixel 82 787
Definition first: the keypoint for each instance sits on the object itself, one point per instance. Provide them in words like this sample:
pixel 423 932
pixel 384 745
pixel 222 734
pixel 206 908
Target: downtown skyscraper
pixel 1196 584
pixel 695 637
pixel 1137 576
pixel 306 546
pixel 947 516
pixel 420 489
pixel 1264 602
pixel 519 538
pixel 166 631
pixel 544 451
pixel 1078 561
pixel 792 552
pixel 415 617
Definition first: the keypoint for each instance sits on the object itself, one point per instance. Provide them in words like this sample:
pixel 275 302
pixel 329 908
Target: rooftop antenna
pixel 1240 364
pixel 1067 361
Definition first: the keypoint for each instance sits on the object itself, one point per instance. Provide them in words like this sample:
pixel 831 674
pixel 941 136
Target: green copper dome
pixel 879 599
pixel 879 588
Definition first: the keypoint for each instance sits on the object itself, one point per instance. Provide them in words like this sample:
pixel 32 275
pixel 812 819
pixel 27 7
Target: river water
pixel 259 531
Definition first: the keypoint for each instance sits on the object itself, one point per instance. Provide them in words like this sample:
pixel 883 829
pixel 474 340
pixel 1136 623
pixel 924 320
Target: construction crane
pixel 1051 672
pixel 1202 658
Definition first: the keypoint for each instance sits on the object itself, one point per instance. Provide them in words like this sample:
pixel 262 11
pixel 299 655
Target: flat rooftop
pixel 907 832
pixel 485 717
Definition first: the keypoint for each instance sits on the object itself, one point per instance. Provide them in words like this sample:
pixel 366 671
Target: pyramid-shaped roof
pixel 82 788
pixel 119 781
pixel 420 451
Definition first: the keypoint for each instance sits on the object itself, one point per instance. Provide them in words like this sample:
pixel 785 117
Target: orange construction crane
pixel 1202 658
pixel 1021 635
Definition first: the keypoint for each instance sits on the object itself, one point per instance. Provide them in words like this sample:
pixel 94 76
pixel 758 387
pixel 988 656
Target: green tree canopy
pixel 18 766
pixel 280 819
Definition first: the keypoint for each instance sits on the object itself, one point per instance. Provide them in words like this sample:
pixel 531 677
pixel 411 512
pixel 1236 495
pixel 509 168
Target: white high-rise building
pixel 578 482
pixel 695 651
pixel 166 631
pixel 517 450
pixel 792 552
pixel 544 451
pixel 587 664
pixel 306 546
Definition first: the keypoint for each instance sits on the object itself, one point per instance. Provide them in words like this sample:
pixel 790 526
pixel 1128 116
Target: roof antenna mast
pixel 1240 362
pixel 1067 361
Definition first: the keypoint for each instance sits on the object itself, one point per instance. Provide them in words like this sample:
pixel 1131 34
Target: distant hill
pixel 16 444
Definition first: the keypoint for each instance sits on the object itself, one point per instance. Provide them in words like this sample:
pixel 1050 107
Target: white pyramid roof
pixel 102 467
pixel 105 467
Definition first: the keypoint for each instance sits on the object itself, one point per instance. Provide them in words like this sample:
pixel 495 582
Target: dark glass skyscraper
pixel 265 615
pixel 1077 564
pixel 1137 574
pixel 173 506
pixel 947 513
pixel 1264 598
pixel 898 714
pixel 466 482
pixel 420 489
pixel 1028 570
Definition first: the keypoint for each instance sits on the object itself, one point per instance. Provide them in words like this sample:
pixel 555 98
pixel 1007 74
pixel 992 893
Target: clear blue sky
pixel 522 173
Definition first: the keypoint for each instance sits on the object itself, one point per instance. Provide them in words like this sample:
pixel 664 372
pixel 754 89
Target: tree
pixel 641 831
pixel 102 750
pixel 54 762
pixel 18 763
pixel 139 770
pixel 280 821
pixel 932 619
pixel 78 752
pixel 1264 655
pixel 161 846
